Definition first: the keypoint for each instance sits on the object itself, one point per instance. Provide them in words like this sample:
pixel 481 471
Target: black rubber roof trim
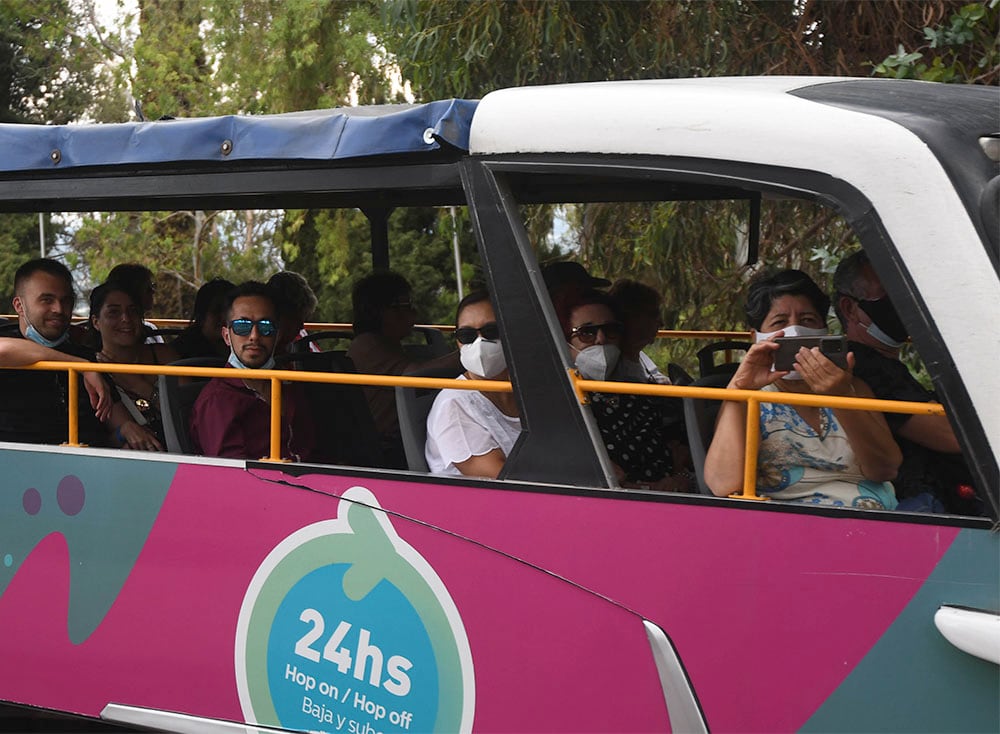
pixel 948 118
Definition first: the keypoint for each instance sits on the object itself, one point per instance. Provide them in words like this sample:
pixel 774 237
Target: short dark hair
pixel 212 293
pixel 769 286
pixel 845 280
pixel 472 298
pixel 372 294
pixel 42 265
pixel 133 274
pixel 252 288
pixel 631 296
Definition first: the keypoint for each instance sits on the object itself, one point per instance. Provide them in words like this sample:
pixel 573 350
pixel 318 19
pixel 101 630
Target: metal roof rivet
pixel 429 136
pixel 55 155
pixel 227 147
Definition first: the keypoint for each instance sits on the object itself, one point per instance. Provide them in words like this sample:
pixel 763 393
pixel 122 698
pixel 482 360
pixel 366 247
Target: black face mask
pixel 884 316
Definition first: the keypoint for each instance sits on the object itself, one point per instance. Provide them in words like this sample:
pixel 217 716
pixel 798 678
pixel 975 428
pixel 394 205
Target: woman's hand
pixel 755 371
pixel 139 438
pixel 821 375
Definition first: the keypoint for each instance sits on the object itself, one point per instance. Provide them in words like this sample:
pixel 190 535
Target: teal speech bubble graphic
pixel 346 628
pixel 103 507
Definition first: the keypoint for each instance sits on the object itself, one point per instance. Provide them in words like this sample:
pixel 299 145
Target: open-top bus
pixel 194 594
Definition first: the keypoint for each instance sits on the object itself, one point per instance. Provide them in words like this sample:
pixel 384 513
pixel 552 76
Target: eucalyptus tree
pixel 691 252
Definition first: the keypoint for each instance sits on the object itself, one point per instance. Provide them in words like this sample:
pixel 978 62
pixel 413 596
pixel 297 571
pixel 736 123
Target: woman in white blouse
pixel 471 432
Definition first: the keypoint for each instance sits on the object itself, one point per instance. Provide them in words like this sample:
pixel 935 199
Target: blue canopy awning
pixel 333 134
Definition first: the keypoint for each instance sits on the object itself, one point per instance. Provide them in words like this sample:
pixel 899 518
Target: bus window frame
pixel 494 181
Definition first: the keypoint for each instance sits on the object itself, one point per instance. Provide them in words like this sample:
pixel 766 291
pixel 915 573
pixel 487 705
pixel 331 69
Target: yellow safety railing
pixel 448 328
pixel 582 388
pixel 753 399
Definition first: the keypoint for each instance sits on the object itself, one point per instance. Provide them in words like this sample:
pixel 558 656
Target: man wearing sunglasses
pixel 231 417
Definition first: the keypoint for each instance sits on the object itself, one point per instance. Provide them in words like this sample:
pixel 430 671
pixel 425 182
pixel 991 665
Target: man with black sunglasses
pixel 231 417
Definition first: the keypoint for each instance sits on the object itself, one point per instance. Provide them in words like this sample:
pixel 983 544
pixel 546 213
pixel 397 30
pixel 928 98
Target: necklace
pixel 259 393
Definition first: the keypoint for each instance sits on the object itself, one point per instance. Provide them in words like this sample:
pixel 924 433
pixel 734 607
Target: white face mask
pixel 235 361
pixel 791 331
pixel 483 358
pixel 876 333
pixel 597 362
pixel 36 336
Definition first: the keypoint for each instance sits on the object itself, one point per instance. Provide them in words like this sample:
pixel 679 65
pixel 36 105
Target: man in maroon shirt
pixel 231 417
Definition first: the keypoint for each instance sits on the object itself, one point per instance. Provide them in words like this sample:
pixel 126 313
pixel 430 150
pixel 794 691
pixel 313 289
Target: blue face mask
pixel 33 334
pixel 234 361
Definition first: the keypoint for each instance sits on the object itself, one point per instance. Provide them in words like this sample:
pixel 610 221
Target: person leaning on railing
pixel 116 315
pixel 33 403
pixel 807 454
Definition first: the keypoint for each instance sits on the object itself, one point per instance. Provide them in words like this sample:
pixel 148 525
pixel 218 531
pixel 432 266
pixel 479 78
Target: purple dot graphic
pixel 70 494
pixel 31 501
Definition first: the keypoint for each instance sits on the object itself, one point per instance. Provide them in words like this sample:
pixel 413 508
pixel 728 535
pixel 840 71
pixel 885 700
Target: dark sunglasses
pixel 468 334
pixel 588 332
pixel 243 327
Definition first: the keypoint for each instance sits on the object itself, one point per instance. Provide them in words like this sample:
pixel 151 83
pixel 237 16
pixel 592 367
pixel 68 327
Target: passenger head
pixel 43 300
pixel 593 330
pixel 298 304
pixel 863 307
pixel 382 304
pixel 116 315
pixel 478 337
pixel 567 280
pixel 639 306
pixel 783 299
pixel 251 329
pixel 139 279
pixel 209 308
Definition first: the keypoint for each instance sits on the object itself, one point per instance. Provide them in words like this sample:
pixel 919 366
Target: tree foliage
pixel 964 48
pixel 203 57
pixel 688 251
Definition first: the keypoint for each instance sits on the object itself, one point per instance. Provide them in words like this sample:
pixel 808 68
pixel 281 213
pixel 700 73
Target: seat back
pixel 345 429
pixel 434 345
pixel 304 344
pixel 706 358
pixel 678 375
pixel 176 401
pixel 168 334
pixel 699 418
pixel 412 406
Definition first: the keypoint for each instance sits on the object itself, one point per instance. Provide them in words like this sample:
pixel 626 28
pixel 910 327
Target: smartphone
pixel 834 348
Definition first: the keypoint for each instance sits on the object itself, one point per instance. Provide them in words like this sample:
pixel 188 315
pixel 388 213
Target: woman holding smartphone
pixel 807 454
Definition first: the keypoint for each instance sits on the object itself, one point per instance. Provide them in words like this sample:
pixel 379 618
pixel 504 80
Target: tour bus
pixel 177 592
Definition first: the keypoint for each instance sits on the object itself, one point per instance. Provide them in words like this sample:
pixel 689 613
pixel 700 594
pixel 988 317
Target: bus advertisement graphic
pixel 346 628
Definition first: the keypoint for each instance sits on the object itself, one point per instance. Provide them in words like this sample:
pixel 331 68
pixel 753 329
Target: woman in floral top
pixel 807 454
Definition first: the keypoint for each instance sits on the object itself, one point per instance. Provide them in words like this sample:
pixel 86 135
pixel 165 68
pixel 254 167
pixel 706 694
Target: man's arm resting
pixel 931 431
pixel 22 352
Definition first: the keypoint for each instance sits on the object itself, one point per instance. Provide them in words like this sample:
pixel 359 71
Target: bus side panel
pixel 774 614
pixel 771 611
pixel 544 655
